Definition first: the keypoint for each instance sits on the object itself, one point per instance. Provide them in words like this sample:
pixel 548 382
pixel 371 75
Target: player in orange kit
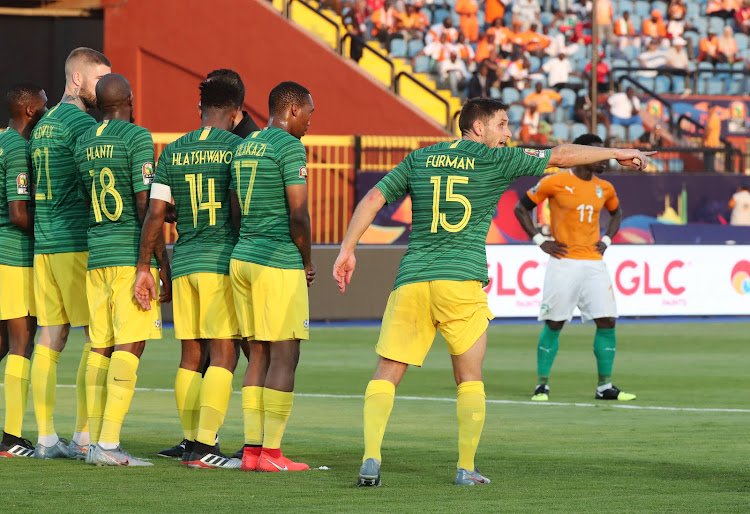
pixel 576 275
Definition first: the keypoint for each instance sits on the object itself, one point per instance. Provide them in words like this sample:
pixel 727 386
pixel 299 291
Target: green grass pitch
pixel 541 458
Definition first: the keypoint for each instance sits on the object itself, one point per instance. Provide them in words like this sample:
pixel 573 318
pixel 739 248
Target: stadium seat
pixel 658 163
pixel 631 53
pixel 495 92
pixel 415 46
pixel 398 48
pixel 642 8
pixel 456 18
pixel 422 64
pixel 515 113
pixel 560 131
pixel 546 17
pixel 678 85
pixel 734 84
pixel 743 41
pixel 510 95
pixel 568 97
pixel 480 18
pixel 661 6
pixel 601 131
pixel 716 24
pixel 662 85
pixel 535 62
pixel 693 11
pixel 439 15
pixel 617 131
pixel 578 129
pixel 428 14
pixel 715 86
pixel 676 165
pixel 634 132
pixel 700 24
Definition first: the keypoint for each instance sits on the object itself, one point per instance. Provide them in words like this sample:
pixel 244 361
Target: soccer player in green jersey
pixel 60 248
pixel 454 187
pixel 115 160
pixel 196 171
pixel 26 103
pixel 271 269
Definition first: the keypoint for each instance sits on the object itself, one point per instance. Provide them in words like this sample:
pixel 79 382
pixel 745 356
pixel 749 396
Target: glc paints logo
pixel 741 277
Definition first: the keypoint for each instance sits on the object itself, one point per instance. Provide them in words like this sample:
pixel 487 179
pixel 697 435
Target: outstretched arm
pixel 567 156
pixel 363 216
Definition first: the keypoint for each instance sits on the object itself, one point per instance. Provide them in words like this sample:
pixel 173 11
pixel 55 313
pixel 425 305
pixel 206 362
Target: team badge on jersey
pixel 303 172
pixel 22 184
pixel 147 170
pixel 306 323
pixel 599 192
pixel 534 153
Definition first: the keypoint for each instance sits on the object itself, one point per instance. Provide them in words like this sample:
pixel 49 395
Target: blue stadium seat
pixel 547 18
pixel 715 86
pixel 415 46
pixel 494 92
pixel 428 14
pixel 560 131
pixel 635 131
pixel 716 24
pixel 678 85
pixel 693 11
pixel 456 19
pixel 601 131
pixel 743 41
pixel 734 84
pixel 535 62
pixel 398 48
pixel 658 163
pixel 568 97
pixel 422 64
pixel 515 114
pixel 561 115
pixel 480 18
pixel 661 6
pixel 642 8
pixel 631 53
pixel 439 15
pixel 701 25
pixel 578 129
pixel 662 85
pixel 510 95
pixel 526 92
pixel 617 131
pixel 676 165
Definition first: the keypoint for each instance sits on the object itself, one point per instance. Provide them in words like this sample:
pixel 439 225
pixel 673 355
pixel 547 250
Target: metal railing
pixel 426 89
pixel 373 51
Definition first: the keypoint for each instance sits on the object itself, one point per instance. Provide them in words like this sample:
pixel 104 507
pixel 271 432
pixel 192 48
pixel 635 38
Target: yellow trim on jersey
pixel 101 127
pixel 204 134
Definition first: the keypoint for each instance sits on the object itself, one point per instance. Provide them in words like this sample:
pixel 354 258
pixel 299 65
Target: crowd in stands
pixel 536 54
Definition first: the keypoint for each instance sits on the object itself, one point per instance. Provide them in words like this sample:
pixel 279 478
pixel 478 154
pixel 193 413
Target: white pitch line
pixel 498 402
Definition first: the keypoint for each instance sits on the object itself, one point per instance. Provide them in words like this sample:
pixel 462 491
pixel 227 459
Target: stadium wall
pixel 164 48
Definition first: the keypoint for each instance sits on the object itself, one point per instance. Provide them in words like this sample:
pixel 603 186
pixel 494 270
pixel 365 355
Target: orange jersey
pixel 575 205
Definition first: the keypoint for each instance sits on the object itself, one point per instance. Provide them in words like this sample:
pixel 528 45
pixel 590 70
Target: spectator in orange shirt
pixel 653 27
pixel 530 126
pixel 709 49
pixel 437 51
pixel 712 137
pixel 465 52
pixel 467 11
pixel 385 22
pixel 411 24
pixel 546 101
pixel 498 34
pixel 442 28
pixel 483 48
pixel 722 8
pixel 493 9
pixel 604 14
pixel 534 42
pixel 625 32
pixel 728 46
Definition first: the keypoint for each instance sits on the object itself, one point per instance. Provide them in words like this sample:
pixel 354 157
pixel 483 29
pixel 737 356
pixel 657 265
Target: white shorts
pixel 571 283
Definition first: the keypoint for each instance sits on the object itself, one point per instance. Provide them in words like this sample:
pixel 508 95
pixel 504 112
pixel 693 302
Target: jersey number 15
pixel 450 196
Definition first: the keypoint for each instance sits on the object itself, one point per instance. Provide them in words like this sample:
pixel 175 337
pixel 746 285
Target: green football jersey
pixel 60 219
pixel 197 169
pixel 115 161
pixel 454 188
pixel 15 172
pixel 264 164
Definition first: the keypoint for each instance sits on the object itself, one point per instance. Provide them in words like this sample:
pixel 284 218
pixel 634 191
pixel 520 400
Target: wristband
pixel 607 241
pixel 538 239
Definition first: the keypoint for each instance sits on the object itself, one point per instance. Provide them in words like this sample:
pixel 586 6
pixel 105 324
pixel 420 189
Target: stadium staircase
pixel 395 73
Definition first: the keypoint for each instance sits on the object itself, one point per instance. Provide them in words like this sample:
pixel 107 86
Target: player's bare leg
pixel 245 347
pixel 3 339
pixel 605 343
pixel 547 346
pixel 81 439
pixel 21 332
pixel 470 410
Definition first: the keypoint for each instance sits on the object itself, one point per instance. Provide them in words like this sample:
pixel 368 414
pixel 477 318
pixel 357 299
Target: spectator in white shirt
pixel 453 74
pixel 740 205
pixel 624 108
pixel 437 51
pixel 677 56
pixel 558 72
pixel 526 11
pixel 654 57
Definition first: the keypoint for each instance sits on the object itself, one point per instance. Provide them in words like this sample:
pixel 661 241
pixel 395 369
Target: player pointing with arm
pixel 576 276
pixel 26 104
pixel 454 187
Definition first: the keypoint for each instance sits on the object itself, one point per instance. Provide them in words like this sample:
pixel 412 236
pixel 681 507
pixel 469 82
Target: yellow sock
pixel 17 369
pixel 44 384
pixel 187 388
pixel 252 410
pixel 470 410
pixel 96 392
pixel 216 390
pixel 379 398
pixel 120 388
pixel 277 405
pixel 82 415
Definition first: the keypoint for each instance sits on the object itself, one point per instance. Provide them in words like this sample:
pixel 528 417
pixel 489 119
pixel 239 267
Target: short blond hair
pixel 81 57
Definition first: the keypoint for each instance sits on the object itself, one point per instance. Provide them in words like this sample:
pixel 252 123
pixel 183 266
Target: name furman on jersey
pixel 449 161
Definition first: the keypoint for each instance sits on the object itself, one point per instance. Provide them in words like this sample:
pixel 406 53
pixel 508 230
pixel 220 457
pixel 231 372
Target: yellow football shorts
pixel 60 289
pixel 204 307
pixel 116 316
pixel 415 311
pixel 16 292
pixel 271 303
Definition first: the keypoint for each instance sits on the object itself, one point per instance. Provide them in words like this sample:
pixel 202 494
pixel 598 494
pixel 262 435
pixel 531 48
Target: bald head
pixel 113 96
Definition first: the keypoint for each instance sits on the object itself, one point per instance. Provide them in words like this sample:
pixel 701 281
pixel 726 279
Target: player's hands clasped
pixel 633 158
pixel 343 269
pixel 310 271
pixel 555 249
pixel 144 289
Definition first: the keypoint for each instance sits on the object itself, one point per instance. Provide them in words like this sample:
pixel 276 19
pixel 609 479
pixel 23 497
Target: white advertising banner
pixel 648 280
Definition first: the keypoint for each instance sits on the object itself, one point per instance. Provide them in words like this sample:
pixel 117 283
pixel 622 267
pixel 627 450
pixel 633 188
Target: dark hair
pixel 479 109
pixel 588 140
pixel 220 93
pixel 19 96
pixel 229 75
pixel 286 94
pixel 83 55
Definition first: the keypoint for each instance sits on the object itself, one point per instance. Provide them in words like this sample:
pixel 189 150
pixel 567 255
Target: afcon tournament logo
pixel 741 277
pixel 22 184
pixel 147 170
pixel 539 154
